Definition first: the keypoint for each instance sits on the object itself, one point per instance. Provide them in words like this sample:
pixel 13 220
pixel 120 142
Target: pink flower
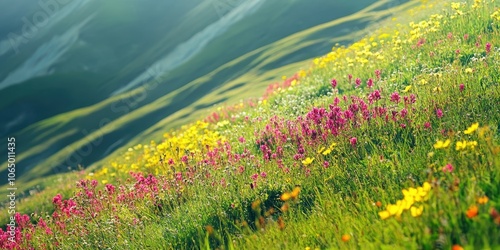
pixel 448 168
pixel 353 141
pixel 369 83
pixel 57 199
pixel 326 164
pixel 350 77
pixel 462 86
pixel 439 113
pixel 358 82
pixel 395 97
pixel 466 37
pixel 378 73
pixel 241 139
pixel 263 174
pixel 427 125
pixel 334 83
pixel 488 47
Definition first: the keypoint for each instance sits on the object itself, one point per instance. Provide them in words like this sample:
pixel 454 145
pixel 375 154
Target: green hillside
pixel 389 142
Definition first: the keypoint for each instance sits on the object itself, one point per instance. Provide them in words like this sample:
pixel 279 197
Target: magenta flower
pixel 462 87
pixel 326 164
pixel 466 37
pixel 488 47
pixel 395 97
pixel 354 141
pixel 427 125
pixel 448 168
pixel 369 83
pixel 334 83
pixel 439 113
pixel 378 72
pixel 358 82
pixel 263 174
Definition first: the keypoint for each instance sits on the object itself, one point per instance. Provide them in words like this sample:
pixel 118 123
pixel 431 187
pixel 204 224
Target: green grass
pixel 433 86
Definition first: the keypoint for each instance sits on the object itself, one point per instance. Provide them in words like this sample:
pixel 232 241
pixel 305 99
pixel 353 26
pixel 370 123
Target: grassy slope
pixel 342 205
pixel 256 67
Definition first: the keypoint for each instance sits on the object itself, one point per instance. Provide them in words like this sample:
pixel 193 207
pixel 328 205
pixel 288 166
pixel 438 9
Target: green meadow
pixel 390 140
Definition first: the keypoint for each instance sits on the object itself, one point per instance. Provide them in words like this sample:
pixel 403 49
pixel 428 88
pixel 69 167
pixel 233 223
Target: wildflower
pixel 482 200
pixel 358 82
pixel 281 223
pixel 472 128
pixel 210 230
pixel 326 164
pixel 439 113
pixel 488 47
pixel 462 87
pixel 384 214
pixel 427 125
pixel 307 161
pixel 395 97
pixel 440 144
pixel 457 247
pixel 416 211
pixel 286 196
pixel 334 83
pixel 468 70
pixel 345 237
pixel 295 192
pixel 353 141
pixel 378 72
pixel 472 212
pixel 461 145
pixel 408 88
pixel 369 83
pixel 448 168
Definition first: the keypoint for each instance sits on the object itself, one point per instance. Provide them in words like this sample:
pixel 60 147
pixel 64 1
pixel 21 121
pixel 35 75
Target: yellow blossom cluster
pixel 161 158
pixel 421 29
pixel 462 145
pixel 496 15
pixel 412 197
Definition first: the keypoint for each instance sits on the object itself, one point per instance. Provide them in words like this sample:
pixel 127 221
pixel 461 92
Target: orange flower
pixel 281 223
pixel 457 247
pixel 378 204
pixel 482 200
pixel 472 212
pixel 285 196
pixel 295 193
pixel 285 207
pixel 210 230
pixel 346 237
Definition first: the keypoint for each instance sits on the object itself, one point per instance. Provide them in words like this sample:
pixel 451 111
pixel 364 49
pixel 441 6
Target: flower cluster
pixel 412 196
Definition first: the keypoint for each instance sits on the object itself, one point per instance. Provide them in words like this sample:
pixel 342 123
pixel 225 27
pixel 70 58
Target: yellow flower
pixel 416 212
pixel 461 145
pixel 472 128
pixel 384 214
pixel 307 161
pixel 441 144
pixel 468 70
pixel 407 88
pixel 327 152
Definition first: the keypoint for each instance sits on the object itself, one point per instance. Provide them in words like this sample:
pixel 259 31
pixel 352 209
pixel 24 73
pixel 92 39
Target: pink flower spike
pixel 354 141
pixel 439 113
pixel 448 168
pixel 334 83
pixel 462 86
pixel 488 47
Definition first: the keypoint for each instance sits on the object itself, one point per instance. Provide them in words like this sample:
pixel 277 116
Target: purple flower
pixel 488 47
